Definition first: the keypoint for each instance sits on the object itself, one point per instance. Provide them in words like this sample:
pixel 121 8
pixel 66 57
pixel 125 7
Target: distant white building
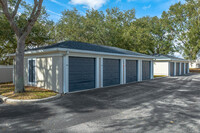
pixel 195 63
pixel 170 66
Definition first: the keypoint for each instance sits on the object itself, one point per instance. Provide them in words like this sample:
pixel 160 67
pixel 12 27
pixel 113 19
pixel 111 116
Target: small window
pixel 31 70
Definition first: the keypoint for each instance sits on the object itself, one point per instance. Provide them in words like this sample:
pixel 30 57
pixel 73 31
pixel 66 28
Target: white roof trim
pixel 80 51
pixel 168 59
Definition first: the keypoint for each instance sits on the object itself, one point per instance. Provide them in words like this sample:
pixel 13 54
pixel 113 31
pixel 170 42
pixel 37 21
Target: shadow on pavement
pixel 170 99
pixel 148 106
pixel 22 118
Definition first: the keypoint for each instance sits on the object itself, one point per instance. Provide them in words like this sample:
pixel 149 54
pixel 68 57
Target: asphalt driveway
pixel 161 105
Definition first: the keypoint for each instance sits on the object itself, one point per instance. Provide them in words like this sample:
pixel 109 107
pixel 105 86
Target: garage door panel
pixel 131 71
pixel 185 67
pixel 111 72
pixel 145 70
pixel 182 68
pixel 177 68
pixel 81 73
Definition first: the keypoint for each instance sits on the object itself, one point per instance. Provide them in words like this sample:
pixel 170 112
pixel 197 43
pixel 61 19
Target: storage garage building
pixel 170 66
pixel 74 66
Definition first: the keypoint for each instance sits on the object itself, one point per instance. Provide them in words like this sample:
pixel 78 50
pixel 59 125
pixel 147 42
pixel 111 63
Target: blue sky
pixel 142 7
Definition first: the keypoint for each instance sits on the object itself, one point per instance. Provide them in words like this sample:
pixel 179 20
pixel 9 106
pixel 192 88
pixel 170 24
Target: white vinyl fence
pixel 6 74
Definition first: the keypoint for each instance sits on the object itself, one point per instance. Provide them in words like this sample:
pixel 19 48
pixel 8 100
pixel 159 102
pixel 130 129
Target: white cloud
pixel 54 13
pixel 95 4
pixel 61 4
pixel 131 0
pixel 147 7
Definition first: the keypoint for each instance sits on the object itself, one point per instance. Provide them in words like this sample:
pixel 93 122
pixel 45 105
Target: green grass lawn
pixel 157 76
pixel 30 93
pixel 196 70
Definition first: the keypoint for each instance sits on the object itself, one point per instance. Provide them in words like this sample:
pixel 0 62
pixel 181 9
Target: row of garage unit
pixel 178 68
pixel 170 66
pixel 76 66
pixel 72 66
pixel 85 73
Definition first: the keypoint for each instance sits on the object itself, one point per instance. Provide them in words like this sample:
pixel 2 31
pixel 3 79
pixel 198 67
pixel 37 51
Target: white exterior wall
pixel 161 68
pixel 48 73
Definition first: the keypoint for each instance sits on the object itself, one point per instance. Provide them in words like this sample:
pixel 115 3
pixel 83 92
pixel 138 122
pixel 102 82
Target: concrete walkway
pixel 161 105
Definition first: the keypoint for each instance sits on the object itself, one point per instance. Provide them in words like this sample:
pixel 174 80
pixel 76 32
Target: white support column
pixel 180 68
pixel 139 70
pixel 101 85
pixel 124 71
pixel 151 69
pixel 121 71
pixel 97 73
pixel 184 68
pixel 169 69
pixel 174 68
pixel 188 68
pixel 66 74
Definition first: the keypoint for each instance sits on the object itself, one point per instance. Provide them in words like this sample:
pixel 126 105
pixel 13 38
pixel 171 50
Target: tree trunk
pixel 19 76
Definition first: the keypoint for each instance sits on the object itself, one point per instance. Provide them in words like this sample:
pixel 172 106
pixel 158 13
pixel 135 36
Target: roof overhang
pixel 64 50
pixel 169 59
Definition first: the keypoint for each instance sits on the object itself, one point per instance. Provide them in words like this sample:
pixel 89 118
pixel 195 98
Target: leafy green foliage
pixel 184 22
pixel 177 30
pixel 116 28
pixel 40 34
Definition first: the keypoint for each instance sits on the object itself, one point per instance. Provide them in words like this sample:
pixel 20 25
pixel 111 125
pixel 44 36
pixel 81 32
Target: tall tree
pixel 184 22
pixel 41 34
pixel 10 9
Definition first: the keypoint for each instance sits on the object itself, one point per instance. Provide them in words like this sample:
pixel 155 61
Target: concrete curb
pixel 17 101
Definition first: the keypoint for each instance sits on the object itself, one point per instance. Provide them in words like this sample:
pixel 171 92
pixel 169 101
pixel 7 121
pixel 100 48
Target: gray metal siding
pixel 131 71
pixel 111 72
pixel 182 69
pixel 177 68
pixel 145 70
pixel 171 68
pixel 81 73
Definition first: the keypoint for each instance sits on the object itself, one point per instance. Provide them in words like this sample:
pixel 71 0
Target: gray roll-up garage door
pixel 187 67
pixel 177 68
pixel 182 68
pixel 111 72
pixel 171 68
pixel 145 70
pixel 81 73
pixel 131 71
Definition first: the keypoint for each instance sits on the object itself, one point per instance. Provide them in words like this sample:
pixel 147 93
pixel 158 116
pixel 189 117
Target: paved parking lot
pixel 161 105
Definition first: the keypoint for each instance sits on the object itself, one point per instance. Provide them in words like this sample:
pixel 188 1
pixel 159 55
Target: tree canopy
pixel 177 30
pixel 116 28
pixel 184 23
pixel 40 34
